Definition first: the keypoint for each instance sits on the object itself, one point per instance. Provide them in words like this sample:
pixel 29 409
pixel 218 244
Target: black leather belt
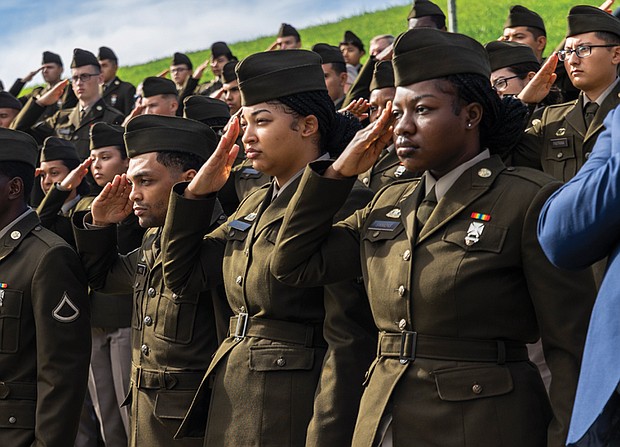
pixel 310 335
pixel 18 391
pixel 151 379
pixel 408 345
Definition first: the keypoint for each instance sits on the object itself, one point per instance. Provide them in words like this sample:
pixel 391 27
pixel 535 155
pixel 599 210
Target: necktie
pixel 426 208
pixel 82 114
pixel 588 113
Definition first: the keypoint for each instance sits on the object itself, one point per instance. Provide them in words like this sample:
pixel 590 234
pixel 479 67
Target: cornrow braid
pixel 336 129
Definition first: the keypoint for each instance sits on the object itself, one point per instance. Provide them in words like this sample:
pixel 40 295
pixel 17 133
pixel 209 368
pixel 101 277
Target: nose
pixel 404 126
pixel 248 135
pixel 134 194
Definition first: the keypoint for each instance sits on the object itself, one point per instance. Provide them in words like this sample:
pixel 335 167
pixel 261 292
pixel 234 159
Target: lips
pixel 251 153
pixel 404 147
pixel 138 210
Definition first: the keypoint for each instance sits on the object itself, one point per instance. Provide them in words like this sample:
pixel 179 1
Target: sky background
pixel 142 30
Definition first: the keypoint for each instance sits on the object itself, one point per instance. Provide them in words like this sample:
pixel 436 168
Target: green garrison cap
pixel 154 85
pixel 202 108
pixel 228 72
pixel 158 133
pixel 55 148
pixel 423 8
pixel 506 54
pixel 181 59
pixel 18 146
pixel 8 101
pixel 329 54
pixel 587 19
pixel 288 30
pixel 106 53
pixel 421 54
pixel 104 135
pixel 351 39
pixel 273 74
pixel 521 16
pixel 383 76
pixel 221 49
pixel 82 58
pixel 51 58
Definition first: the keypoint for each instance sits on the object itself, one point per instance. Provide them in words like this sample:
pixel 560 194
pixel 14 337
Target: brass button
pixel 281 362
pixel 75 137
pixel 476 388
pixel 239 280
pixel 375 234
pixel 174 296
pixel 246 252
pixel 12 420
pixel 560 155
pixel 587 155
pixel 148 320
pixel 365 181
pixel 151 292
pixel 144 349
pixel 231 233
pixel 407 255
pixel 401 292
pixel 402 324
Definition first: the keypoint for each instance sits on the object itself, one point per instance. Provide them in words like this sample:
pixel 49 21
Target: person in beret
pixel 281 337
pixel 9 108
pixel 185 80
pixel 335 72
pixel 288 38
pixel 513 65
pixel 116 93
pixel 220 56
pixel 456 279
pixel 230 87
pixel 526 27
pixel 159 97
pixel 173 335
pixel 352 49
pixel 45 338
pixel 426 14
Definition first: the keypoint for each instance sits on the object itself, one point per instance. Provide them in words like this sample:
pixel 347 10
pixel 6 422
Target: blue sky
pixel 142 30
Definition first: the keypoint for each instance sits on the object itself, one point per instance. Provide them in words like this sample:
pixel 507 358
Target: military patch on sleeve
pixel 66 311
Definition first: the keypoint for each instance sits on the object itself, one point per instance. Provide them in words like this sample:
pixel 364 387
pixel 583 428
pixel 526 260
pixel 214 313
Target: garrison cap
pixel 202 108
pixel 329 54
pixel 273 74
pixel 383 76
pixel 55 148
pixel 505 54
pixel 587 19
pixel 421 54
pixel 228 72
pixel 82 58
pixel 158 133
pixel 8 101
pixel 521 16
pixel 154 85
pixel 104 135
pixel 106 53
pixel 221 49
pixel 51 58
pixel 423 8
pixel 288 30
pixel 18 146
pixel 351 39
pixel 181 59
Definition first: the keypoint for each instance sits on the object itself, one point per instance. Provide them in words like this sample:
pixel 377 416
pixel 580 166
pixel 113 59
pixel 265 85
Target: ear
pixel 616 55
pixel 473 114
pixel 174 105
pixel 188 175
pixel 309 126
pixel 529 76
pixel 16 188
pixel 541 42
pixel 343 78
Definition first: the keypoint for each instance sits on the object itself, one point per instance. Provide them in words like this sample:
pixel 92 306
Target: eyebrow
pixel 428 95
pixel 143 173
pixel 259 111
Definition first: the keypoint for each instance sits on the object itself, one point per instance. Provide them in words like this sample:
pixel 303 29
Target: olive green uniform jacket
pixel 119 95
pixel 453 316
pixel 243 180
pixel 266 372
pixel 559 142
pixel 386 170
pixel 44 337
pixel 173 335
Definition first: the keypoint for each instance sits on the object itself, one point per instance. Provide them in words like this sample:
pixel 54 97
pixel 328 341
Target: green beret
pixel 106 53
pixel 221 49
pixel 51 58
pixel 506 54
pixel 351 39
pixel 421 54
pixel 383 76
pixel 521 16
pixel 228 72
pixel 423 8
pixel 181 59
pixel 82 58
pixel 288 30
pixel 55 148
pixel 104 135
pixel 158 133
pixel 202 108
pixel 273 74
pixel 8 101
pixel 18 146
pixel 154 85
pixel 587 19
pixel 329 54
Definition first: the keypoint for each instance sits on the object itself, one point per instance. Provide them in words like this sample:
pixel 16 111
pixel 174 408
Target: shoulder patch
pixel 66 311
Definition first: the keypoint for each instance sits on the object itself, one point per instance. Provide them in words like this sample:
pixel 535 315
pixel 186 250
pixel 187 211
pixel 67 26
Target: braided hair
pixel 503 120
pixel 336 129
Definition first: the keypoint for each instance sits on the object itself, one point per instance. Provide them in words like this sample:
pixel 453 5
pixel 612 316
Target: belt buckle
pixel 242 326
pixel 407 339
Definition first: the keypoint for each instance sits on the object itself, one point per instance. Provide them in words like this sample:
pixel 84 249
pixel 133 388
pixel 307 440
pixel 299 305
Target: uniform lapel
pixel 388 161
pixel 275 210
pixel 574 117
pixel 94 114
pixel 608 104
pixel 408 204
pixel 12 239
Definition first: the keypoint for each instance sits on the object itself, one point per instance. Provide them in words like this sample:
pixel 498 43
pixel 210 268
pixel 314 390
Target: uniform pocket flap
pixel 10 303
pixel 472 382
pixel 238 230
pixel 560 148
pixel 173 404
pixel 17 414
pixel 281 358
pixel 480 237
pixel 382 229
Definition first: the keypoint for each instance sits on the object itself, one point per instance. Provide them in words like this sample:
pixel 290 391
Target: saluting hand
pixel 53 95
pixel 358 108
pixel 75 177
pixel 365 147
pixel 112 205
pixel 137 110
pixel 31 75
pixel 540 85
pixel 214 173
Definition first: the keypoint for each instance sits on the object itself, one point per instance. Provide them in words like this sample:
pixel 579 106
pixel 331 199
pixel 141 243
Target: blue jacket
pixel 579 225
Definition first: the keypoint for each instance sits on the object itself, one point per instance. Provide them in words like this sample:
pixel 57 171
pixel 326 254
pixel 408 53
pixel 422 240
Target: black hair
pixel 536 32
pixel 336 129
pixel 438 20
pixel 503 120
pixel 82 189
pixel 339 67
pixel 607 37
pixel 524 68
pixel 181 161
pixel 12 169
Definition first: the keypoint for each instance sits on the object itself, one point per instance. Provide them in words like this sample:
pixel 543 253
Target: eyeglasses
pixel 502 83
pixel 582 51
pixel 84 77
pixel 178 70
